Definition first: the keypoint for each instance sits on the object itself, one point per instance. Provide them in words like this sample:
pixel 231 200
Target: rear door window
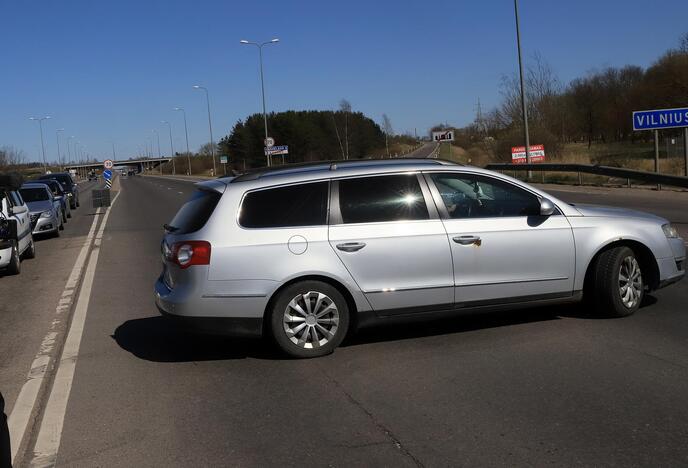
pixel 290 206
pixel 193 215
pixel 382 198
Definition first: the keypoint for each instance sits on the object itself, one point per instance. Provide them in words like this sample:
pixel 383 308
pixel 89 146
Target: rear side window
pixel 193 215
pixel 382 198
pixel 295 205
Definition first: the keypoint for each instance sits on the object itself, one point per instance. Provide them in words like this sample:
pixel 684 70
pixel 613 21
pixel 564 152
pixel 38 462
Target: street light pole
pixel 59 156
pixel 262 83
pixel 169 126
pixel 69 153
pixel 186 132
pixel 210 126
pixel 523 92
pixel 40 126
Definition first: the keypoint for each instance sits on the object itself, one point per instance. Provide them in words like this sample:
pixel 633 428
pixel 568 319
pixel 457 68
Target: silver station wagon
pixel 305 254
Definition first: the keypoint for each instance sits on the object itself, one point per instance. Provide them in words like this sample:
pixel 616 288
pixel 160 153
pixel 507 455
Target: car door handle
pixel 351 246
pixel 467 240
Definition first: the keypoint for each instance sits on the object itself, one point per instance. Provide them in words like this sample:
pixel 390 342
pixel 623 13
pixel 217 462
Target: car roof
pixel 34 185
pixel 322 169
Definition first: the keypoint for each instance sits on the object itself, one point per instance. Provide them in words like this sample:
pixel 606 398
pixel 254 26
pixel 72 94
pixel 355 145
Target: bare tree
pixel 683 43
pixel 387 128
pixel 341 147
pixel 11 156
pixel 345 106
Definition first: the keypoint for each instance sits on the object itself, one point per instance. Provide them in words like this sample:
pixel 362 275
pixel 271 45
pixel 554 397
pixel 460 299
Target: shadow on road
pixel 159 339
pixel 452 325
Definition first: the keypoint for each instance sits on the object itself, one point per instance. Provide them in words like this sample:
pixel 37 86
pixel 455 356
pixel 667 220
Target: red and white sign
pixel 518 154
pixel 107 164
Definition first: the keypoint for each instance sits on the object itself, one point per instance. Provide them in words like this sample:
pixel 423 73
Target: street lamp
pixel 523 92
pixel 186 132
pixel 169 126
pixel 40 126
pixel 69 153
pixel 262 84
pixel 59 156
pixel 210 126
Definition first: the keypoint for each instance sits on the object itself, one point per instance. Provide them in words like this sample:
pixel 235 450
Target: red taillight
pixel 189 253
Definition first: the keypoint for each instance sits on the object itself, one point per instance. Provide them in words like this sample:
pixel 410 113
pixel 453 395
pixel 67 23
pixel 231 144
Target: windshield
pixel 193 215
pixel 34 194
pixel 64 179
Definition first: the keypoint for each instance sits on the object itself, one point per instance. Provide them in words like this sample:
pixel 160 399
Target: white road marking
pixel 50 433
pixel 181 193
pixel 26 401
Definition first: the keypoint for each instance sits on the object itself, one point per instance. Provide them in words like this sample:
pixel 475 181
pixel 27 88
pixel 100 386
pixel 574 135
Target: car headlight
pixel 46 214
pixel 69 194
pixel 670 231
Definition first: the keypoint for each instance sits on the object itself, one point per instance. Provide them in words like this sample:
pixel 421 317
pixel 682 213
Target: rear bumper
pixel 178 312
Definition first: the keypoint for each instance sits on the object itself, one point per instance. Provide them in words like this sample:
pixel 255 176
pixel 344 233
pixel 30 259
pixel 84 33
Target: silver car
pixel 45 209
pixel 306 254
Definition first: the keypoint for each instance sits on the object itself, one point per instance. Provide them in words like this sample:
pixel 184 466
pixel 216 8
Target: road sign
pixel 273 150
pixel 518 154
pixel 107 174
pixel 443 135
pixel 269 141
pixel 107 164
pixel 224 159
pixel 661 118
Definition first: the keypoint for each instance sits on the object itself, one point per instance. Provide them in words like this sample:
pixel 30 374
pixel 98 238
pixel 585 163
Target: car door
pixel 387 233
pixel 503 250
pixel 21 214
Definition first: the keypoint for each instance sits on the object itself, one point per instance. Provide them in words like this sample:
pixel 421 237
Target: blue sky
pixel 111 71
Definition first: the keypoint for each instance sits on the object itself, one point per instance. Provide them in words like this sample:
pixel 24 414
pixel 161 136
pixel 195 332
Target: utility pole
pixel 523 92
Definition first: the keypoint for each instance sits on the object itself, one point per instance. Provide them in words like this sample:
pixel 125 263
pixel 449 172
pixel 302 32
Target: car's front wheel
pixel 618 287
pixel 309 319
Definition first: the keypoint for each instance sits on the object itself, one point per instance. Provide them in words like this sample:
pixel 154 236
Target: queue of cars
pixel 34 208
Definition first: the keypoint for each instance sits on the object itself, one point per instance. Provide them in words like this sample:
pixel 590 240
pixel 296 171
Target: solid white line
pixel 23 407
pixel 50 433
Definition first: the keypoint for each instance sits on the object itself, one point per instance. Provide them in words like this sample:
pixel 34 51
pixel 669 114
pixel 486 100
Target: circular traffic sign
pixel 107 164
pixel 269 141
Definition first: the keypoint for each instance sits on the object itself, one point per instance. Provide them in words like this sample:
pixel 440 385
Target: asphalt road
pixel 533 387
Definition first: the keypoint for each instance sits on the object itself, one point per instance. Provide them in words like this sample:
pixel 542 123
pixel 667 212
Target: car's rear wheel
pixel 14 267
pixel 618 287
pixel 64 216
pixel 309 319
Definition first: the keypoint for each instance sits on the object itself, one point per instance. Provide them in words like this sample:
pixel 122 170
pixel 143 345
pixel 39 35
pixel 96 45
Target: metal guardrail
pixel 630 174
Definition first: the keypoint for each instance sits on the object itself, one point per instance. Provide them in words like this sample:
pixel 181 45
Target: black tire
pixel 77 202
pixel 14 267
pixel 64 216
pixel 606 283
pixel 31 251
pixel 298 291
pixel 69 215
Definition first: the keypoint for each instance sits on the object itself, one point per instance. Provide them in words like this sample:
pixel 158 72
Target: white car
pixel 16 240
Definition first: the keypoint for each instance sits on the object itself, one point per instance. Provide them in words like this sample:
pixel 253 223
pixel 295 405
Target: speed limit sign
pixel 269 141
pixel 107 164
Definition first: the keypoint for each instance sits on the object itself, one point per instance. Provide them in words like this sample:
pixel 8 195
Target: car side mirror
pixel 546 207
pixel 10 211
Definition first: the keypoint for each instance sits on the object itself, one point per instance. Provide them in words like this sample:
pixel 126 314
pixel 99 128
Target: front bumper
pixel 45 225
pixel 182 311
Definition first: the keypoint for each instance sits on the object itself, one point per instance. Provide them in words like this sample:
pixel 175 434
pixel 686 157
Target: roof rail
pixel 331 165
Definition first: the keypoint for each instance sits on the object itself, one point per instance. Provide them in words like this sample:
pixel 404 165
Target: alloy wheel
pixel 630 282
pixel 311 320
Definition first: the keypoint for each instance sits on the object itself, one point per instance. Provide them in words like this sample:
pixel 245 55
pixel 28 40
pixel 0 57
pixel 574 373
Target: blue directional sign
pixel 662 118
pixel 107 173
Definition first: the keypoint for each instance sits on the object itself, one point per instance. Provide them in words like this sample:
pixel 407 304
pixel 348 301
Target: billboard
pixel 443 135
pixel 518 154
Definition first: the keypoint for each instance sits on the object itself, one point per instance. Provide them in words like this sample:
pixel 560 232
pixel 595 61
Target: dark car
pixel 68 184
pixel 60 193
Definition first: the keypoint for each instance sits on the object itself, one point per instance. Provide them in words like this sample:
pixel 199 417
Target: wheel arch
pixel 647 260
pixel 348 296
